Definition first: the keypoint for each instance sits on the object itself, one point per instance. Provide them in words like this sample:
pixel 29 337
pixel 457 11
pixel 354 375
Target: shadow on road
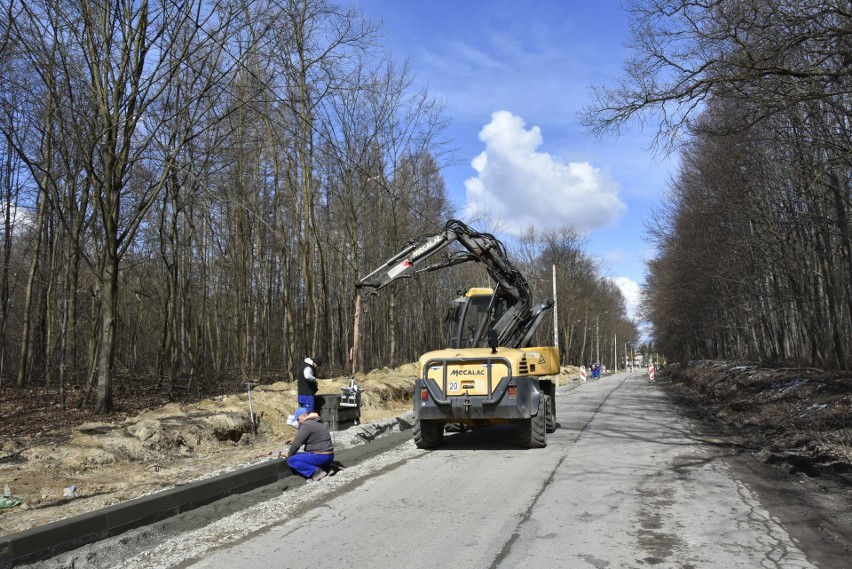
pixel 498 437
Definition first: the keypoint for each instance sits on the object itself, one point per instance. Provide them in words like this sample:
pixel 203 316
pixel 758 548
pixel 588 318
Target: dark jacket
pixel 314 434
pixel 306 386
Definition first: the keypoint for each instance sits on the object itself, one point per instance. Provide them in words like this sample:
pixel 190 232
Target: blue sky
pixel 513 75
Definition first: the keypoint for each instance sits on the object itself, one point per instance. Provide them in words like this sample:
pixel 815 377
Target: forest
pixel 754 239
pixel 191 191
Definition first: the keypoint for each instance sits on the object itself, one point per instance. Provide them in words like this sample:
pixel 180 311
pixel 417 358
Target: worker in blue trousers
pixel 307 382
pixel 314 435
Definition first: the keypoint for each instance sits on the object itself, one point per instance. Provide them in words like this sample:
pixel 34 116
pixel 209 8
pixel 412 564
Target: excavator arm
pixel 516 326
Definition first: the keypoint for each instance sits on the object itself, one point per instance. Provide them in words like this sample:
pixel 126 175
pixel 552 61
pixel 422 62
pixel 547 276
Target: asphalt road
pixel 623 482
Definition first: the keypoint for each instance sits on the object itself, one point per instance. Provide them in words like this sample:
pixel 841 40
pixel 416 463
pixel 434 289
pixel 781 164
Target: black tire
pixel 533 432
pixel 428 434
pixel 550 424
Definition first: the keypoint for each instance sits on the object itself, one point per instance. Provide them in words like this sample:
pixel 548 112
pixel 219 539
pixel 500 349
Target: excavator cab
pixel 471 317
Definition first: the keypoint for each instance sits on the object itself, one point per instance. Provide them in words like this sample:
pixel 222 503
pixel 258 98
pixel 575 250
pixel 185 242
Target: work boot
pixel 318 475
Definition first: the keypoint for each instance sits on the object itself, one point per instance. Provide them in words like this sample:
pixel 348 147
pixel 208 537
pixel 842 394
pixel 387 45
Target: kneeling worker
pixel 319 450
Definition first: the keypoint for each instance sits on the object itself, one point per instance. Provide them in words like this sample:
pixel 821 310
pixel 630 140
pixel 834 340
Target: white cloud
pixel 23 219
pixel 632 292
pixel 632 295
pixel 518 186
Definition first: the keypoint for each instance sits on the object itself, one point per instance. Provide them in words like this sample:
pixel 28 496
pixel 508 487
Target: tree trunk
pixel 109 303
pixel 10 198
pixel 28 299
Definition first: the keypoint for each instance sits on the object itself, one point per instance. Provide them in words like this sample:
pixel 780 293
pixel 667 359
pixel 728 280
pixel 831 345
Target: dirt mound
pixel 81 468
pixel 798 416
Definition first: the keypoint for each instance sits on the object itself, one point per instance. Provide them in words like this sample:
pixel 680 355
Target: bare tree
pixel 125 56
pixel 194 175
pixel 765 55
pixel 761 91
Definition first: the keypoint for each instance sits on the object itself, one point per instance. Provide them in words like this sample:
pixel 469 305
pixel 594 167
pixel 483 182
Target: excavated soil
pixel 61 463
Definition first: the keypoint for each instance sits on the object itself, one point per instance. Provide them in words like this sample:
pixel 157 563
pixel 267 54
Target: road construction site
pixel 626 480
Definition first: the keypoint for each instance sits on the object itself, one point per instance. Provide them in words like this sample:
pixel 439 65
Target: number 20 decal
pixel 453 386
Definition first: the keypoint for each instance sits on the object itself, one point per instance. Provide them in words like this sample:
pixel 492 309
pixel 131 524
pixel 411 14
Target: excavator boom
pixel 516 326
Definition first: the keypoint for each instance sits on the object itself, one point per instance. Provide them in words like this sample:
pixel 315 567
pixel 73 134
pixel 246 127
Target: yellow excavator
pixel 489 374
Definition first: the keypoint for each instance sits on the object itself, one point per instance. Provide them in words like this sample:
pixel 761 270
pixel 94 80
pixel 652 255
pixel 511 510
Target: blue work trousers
pixel 306 463
pixel 307 401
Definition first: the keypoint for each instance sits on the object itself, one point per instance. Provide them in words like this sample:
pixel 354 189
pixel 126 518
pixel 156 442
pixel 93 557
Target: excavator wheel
pixel 533 432
pixel 428 434
pixel 551 416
